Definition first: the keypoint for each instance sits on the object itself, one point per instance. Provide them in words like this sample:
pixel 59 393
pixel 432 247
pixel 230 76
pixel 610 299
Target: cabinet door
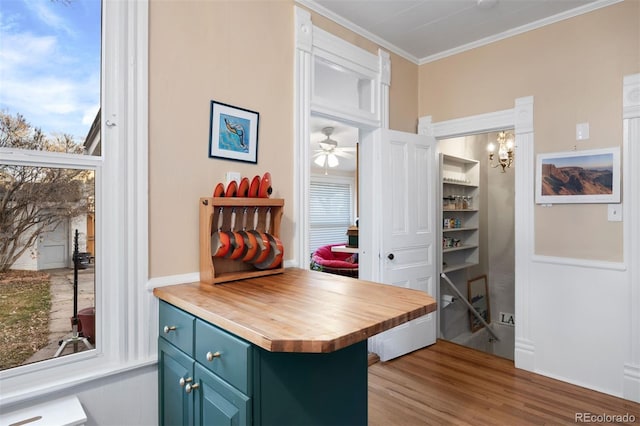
pixel 217 402
pixel 175 405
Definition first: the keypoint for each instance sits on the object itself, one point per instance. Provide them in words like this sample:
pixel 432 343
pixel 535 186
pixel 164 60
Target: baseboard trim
pixel 631 386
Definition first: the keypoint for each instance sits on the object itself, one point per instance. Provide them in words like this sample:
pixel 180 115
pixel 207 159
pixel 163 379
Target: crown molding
pixel 590 7
pixel 312 5
pixel 598 4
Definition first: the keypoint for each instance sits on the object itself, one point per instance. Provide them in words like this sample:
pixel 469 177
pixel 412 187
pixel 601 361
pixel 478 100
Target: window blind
pixel 330 213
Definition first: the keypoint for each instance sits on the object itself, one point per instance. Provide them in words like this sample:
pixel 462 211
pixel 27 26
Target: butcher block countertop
pixel 300 310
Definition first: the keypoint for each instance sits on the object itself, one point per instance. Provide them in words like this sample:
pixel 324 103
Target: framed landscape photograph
pixel 591 176
pixel 233 133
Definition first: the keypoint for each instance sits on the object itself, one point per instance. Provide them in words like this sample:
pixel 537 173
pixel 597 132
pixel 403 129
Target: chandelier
pixel 505 151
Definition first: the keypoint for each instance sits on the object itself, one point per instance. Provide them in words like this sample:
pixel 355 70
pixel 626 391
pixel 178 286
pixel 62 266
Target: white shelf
pixel 459 210
pixel 458 266
pixel 448 182
pixel 463 247
pixel 458 229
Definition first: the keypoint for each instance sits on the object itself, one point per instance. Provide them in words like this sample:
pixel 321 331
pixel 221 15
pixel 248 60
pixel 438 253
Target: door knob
pixel 390 256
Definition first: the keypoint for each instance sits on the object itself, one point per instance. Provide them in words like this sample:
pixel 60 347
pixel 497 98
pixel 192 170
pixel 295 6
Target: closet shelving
pixel 460 180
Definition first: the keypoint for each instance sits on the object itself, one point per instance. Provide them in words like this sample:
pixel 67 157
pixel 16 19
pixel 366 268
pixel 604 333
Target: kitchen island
pixel 289 348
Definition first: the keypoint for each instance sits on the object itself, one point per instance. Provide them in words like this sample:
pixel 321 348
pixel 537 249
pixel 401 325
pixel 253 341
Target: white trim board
pixel 590 7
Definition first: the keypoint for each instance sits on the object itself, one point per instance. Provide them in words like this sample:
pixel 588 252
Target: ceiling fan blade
pixel 343 154
pixel 349 149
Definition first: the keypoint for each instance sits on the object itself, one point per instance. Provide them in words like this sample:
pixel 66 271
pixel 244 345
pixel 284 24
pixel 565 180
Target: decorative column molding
pixel 524 351
pixel 524 115
pixel 304 30
pixel 630 208
pixel 385 67
pixel 302 132
pixel 425 125
pixel 384 64
pixel 631 96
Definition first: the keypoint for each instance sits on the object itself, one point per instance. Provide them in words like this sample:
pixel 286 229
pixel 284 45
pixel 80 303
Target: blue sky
pixel 50 63
pixel 598 161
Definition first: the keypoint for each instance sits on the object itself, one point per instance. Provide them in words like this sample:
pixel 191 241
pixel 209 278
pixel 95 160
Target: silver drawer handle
pixel 184 381
pixel 168 328
pixel 191 387
pixel 212 355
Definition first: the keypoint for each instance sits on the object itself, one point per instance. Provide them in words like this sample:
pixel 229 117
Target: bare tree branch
pixel 34 200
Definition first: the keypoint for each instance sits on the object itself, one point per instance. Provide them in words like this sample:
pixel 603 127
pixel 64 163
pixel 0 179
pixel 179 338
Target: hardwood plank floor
pixel 451 384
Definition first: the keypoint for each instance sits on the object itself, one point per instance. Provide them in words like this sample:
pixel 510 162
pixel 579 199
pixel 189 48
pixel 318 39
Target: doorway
pixel 496 253
pixel 333 196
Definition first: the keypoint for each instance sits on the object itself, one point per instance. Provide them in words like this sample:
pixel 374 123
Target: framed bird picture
pixel 233 133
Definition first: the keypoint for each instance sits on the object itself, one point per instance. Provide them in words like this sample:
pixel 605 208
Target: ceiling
pixel 426 30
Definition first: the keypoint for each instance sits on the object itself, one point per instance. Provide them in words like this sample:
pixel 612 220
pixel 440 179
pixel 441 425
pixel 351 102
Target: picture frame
pixel 478 296
pixel 589 176
pixel 233 133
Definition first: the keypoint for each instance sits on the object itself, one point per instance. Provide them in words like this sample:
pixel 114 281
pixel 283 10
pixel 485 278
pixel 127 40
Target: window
pixel 49 99
pixel 117 128
pixel 330 211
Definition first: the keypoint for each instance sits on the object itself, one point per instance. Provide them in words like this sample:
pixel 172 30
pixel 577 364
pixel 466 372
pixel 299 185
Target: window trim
pixel 125 328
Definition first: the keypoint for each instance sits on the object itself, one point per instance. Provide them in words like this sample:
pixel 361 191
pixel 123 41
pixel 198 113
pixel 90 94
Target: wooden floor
pixel 450 384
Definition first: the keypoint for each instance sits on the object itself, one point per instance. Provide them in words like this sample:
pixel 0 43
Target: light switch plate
pixel 582 131
pixel 614 212
pixel 233 176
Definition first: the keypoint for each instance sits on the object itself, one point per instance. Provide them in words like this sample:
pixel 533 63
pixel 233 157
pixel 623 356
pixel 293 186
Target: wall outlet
pixel 507 319
pixel 614 212
pixel 233 176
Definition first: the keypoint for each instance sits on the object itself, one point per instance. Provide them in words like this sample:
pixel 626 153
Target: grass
pixel 25 302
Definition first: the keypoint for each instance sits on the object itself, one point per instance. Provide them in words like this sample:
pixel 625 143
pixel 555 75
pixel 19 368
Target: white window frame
pixel 339 180
pixel 126 311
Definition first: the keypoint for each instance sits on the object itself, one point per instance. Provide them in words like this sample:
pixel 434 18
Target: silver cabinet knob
pixel 212 355
pixel 168 328
pixel 184 381
pixel 191 387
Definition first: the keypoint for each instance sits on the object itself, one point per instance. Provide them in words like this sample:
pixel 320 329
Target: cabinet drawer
pixel 224 354
pixel 176 326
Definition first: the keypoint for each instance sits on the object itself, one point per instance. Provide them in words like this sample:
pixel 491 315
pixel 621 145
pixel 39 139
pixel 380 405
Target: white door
pixel 53 249
pixel 408 246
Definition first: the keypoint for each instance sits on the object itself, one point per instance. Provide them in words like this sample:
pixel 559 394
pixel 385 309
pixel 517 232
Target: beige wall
pixel 574 71
pixel 239 53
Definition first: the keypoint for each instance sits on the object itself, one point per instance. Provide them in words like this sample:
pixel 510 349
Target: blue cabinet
pixel 202 372
pixel 208 376
pixel 174 367
pixel 218 403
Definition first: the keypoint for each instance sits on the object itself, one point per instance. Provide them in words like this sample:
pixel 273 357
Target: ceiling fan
pixel 328 153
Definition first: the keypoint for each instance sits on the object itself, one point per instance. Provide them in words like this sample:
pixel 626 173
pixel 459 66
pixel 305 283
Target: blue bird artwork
pixel 234 133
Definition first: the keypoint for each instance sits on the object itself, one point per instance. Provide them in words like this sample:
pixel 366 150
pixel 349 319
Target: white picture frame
pixel 589 176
